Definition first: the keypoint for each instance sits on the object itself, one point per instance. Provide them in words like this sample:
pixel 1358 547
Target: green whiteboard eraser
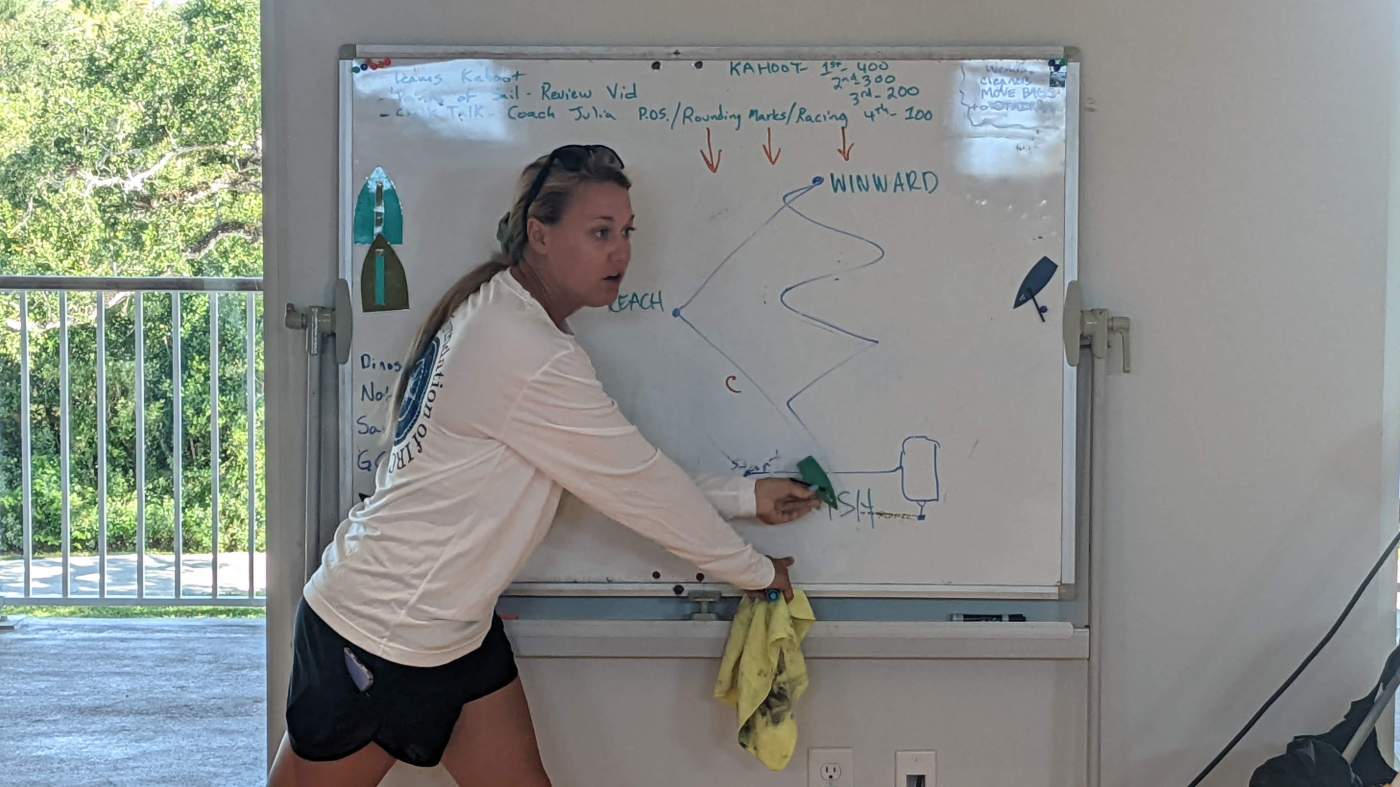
pixel 814 476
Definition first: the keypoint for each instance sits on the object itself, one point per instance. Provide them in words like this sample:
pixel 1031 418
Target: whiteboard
pixel 829 246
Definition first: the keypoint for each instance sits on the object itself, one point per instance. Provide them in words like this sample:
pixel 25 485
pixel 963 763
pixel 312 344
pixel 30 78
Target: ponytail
pixel 548 204
pixel 454 297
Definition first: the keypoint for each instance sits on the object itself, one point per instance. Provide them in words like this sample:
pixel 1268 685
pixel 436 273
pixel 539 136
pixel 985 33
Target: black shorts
pixel 341 698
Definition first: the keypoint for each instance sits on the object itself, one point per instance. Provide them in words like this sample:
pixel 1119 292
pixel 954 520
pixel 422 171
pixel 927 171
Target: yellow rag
pixel 763 674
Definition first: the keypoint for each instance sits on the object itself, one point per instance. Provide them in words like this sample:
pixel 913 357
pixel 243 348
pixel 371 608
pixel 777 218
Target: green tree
pixel 129 146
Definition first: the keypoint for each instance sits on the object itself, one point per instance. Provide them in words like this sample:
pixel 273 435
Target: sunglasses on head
pixel 572 158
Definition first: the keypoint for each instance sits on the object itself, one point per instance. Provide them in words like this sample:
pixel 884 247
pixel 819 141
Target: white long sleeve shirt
pixel 503 412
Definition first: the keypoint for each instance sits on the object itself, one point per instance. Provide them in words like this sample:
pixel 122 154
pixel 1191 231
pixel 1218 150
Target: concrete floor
pixel 133 702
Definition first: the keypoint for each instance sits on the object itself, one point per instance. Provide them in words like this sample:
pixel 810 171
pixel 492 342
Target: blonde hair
pixel 547 207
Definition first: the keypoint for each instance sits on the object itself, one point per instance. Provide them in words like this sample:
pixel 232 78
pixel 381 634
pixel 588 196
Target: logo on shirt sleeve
pixel 416 409
pixel 415 395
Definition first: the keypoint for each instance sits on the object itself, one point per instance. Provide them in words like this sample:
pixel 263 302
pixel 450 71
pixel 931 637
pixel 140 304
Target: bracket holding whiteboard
pixel 318 322
pixel 1096 326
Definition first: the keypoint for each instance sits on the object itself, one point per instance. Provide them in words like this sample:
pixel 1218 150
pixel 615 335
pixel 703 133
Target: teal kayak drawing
pixel 377 210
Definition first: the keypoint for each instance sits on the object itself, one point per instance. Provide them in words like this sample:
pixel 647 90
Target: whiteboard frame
pixel 449 52
pixel 1069 490
pixel 1070 268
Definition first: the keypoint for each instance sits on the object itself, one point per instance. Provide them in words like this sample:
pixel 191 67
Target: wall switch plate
pixel 915 769
pixel 830 768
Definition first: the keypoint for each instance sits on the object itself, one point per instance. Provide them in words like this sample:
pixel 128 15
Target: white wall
pixel 1235 178
pixel 1013 724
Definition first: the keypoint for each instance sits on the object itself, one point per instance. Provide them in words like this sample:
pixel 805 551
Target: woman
pixel 398 654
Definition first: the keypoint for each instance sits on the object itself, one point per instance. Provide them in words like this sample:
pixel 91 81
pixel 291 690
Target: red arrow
pixel 845 150
pixel 768 150
pixel 712 160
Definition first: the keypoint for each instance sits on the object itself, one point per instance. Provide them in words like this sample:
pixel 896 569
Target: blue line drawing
pixel 918 472
pixel 919 481
pixel 867 342
pixel 918 486
pixel 918 460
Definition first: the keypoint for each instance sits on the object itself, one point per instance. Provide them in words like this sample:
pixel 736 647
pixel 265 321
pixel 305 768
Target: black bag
pixel 1317 761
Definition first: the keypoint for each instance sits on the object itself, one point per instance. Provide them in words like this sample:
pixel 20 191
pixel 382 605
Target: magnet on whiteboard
pixel 377 210
pixel 383 283
pixel 1039 276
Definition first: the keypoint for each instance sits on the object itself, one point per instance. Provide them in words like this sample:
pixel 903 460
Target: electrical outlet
pixel 830 768
pixel 915 769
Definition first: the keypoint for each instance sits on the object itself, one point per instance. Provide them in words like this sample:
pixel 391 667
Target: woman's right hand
pixel 781 581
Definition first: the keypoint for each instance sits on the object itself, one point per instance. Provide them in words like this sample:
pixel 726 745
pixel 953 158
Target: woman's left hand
pixel 781 501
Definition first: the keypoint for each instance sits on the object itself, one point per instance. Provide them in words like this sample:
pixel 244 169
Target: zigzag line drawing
pixel 918 461
pixel 868 342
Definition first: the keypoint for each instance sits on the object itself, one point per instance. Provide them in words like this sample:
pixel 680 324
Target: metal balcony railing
pixel 161 557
